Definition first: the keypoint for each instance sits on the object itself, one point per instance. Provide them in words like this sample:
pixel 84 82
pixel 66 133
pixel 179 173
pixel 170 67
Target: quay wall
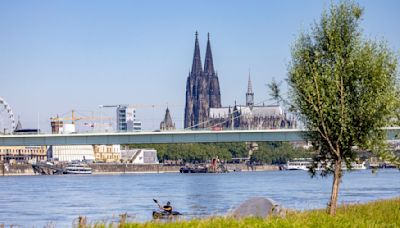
pixel 104 168
pixel 244 167
pixel 118 168
pixel 16 169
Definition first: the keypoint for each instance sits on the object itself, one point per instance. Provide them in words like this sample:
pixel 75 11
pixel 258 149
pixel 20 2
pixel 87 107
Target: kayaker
pixel 167 208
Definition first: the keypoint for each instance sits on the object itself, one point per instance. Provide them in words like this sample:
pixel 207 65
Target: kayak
pixel 165 215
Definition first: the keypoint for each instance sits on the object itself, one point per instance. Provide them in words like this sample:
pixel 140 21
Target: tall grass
pixel 383 213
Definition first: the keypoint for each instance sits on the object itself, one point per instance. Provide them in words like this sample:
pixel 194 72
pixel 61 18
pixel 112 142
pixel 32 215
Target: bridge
pixel 199 136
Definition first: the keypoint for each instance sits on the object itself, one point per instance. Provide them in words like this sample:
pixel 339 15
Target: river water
pixel 58 200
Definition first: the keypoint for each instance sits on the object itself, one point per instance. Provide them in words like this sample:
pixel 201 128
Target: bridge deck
pixel 163 137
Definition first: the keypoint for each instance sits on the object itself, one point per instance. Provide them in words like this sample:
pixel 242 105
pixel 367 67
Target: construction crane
pixel 57 123
pixel 73 118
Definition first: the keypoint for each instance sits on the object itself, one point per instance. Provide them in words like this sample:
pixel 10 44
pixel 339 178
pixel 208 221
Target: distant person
pixel 167 208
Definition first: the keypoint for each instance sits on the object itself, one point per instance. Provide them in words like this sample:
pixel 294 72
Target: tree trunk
pixel 335 187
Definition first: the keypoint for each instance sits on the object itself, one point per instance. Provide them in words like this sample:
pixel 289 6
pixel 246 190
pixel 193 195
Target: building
pixel 139 156
pixel 126 119
pixel 57 126
pixel 203 108
pixel 71 153
pixel 250 116
pixel 202 89
pixel 107 153
pixel 167 124
pixel 23 154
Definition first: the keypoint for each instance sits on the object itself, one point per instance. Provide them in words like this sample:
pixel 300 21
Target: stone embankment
pixel 107 168
pixel 16 169
pixel 244 167
pixel 118 168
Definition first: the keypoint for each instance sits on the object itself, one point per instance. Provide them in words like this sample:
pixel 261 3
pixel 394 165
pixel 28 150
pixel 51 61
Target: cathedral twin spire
pixel 208 63
pixel 202 88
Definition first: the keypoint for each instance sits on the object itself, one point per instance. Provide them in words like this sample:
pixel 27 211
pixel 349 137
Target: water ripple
pixel 59 200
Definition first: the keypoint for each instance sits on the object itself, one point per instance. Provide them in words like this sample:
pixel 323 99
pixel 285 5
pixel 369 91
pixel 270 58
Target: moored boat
pixel 298 164
pixel 355 166
pixel 305 164
pixel 187 169
pixel 78 168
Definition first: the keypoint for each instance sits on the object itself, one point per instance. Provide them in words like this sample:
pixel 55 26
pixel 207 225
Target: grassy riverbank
pixel 383 213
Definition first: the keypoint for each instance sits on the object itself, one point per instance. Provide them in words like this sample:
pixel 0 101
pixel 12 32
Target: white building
pixel 139 156
pixel 126 119
pixel 71 153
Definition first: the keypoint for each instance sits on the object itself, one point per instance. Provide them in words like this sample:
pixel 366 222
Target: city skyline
pixel 58 56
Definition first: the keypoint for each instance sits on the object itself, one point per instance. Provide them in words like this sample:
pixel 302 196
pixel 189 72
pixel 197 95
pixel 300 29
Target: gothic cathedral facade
pixel 203 107
pixel 202 89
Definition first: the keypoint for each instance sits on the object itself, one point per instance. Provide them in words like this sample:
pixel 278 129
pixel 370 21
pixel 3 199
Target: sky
pixel 56 56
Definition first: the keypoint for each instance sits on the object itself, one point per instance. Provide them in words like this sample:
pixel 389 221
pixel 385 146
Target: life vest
pixel 167 208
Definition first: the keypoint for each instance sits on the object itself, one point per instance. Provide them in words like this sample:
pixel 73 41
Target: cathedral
pixel 203 107
pixel 202 89
pixel 250 116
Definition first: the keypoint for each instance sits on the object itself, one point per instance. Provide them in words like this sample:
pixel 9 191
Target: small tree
pixel 343 88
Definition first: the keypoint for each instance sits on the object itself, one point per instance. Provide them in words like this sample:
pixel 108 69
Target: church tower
pixel 191 87
pixel 202 89
pixel 249 94
pixel 167 123
pixel 214 91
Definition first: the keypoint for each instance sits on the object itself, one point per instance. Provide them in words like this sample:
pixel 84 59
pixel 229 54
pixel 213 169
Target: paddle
pixel 155 201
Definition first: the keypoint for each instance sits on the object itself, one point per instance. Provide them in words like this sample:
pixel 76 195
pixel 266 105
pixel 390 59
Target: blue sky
pixel 61 55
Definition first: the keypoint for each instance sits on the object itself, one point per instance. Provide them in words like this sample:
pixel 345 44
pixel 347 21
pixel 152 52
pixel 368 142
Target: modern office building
pixel 126 119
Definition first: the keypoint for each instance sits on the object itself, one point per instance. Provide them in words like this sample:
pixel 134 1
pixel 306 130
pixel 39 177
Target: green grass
pixel 383 213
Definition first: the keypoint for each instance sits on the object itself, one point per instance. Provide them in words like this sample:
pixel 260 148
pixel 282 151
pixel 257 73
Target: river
pixel 58 200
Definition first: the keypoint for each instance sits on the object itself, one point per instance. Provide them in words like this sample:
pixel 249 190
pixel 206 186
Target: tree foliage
pixel 267 153
pixel 278 153
pixel 197 153
pixel 275 91
pixel 344 89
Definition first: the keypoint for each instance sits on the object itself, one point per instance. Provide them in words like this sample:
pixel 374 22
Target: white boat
pixel 355 166
pixel 305 164
pixel 298 164
pixel 78 168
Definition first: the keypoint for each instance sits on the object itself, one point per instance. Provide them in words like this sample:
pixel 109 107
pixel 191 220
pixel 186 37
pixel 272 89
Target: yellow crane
pixel 74 118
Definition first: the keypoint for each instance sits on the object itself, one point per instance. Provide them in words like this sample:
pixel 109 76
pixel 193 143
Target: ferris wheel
pixel 7 120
